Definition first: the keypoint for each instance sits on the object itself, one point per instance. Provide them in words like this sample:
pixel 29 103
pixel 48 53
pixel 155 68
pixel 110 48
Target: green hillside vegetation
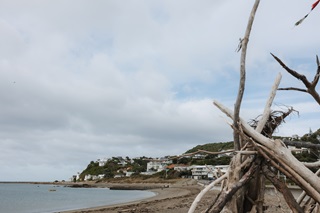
pixel 113 166
pixel 313 137
pixel 212 147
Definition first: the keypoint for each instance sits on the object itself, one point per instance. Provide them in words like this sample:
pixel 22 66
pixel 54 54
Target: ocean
pixel 43 198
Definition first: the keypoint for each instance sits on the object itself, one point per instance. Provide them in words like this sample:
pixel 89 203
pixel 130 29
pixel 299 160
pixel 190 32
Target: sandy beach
pixel 177 198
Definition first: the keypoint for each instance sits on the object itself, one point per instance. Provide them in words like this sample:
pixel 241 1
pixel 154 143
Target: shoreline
pixel 177 199
pixel 173 197
pixel 128 206
pixel 162 195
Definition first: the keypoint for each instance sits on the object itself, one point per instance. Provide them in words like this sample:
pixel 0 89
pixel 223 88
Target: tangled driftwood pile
pixel 259 157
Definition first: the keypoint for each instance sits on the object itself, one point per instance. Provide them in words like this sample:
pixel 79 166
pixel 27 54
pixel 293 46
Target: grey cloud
pixel 81 81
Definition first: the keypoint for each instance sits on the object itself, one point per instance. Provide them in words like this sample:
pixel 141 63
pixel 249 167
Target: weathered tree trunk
pixel 281 187
pixel 227 194
pixel 306 178
pixel 243 45
pixel 236 203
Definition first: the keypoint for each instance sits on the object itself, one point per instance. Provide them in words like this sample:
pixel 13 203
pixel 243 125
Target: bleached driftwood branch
pixel 312 164
pixel 281 153
pixel 204 191
pixel 208 152
pixel 244 45
pixel 267 109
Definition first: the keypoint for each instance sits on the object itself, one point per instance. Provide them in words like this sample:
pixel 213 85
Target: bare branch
pixel 280 165
pixel 303 194
pixel 310 86
pixel 281 187
pixel 280 152
pixel 302 144
pixel 204 191
pixel 237 105
pixel 316 77
pixel 225 196
pixel 293 73
pixel 312 164
pixel 293 88
pixel 267 110
pixel 207 152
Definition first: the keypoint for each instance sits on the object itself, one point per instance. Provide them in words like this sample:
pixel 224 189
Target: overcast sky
pixel 83 80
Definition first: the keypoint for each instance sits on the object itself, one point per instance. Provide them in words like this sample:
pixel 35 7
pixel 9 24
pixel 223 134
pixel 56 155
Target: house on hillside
pixel 93 177
pixel 180 167
pixel 201 172
pixel 158 165
pixel 103 162
pixel 208 171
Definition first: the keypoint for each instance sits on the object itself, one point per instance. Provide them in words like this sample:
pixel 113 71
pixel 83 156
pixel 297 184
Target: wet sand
pixel 178 199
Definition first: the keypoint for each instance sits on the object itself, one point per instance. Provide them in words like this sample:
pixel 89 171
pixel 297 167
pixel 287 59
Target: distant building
pixel 128 174
pixel 158 165
pixel 180 167
pixel 93 177
pixel 208 171
pixel 201 172
pixel 103 162
pixel 119 176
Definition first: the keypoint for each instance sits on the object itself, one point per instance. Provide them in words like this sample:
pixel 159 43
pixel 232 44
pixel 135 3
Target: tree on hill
pixel 109 170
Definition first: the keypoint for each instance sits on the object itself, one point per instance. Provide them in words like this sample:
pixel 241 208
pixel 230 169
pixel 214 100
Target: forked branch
pixel 310 86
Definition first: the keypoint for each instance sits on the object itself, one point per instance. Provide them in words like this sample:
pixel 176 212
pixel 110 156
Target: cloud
pixel 84 81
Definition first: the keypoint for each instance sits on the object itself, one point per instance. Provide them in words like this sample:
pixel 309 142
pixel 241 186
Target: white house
pixel 93 177
pixel 128 174
pixel 208 171
pixel 181 168
pixel 158 164
pixel 102 162
pixel 200 172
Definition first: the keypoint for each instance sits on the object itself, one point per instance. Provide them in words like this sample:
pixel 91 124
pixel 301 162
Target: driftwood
pixel 204 191
pixel 243 46
pixel 302 144
pixel 206 152
pixel 258 156
pixel 310 86
pixel 281 187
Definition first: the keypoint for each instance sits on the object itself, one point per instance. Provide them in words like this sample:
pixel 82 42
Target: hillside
pixel 212 147
pixel 118 166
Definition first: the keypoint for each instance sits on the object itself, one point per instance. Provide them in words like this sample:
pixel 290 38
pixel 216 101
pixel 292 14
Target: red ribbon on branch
pixel 312 7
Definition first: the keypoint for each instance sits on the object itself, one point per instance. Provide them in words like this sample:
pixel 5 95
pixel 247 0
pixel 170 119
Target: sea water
pixel 43 198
